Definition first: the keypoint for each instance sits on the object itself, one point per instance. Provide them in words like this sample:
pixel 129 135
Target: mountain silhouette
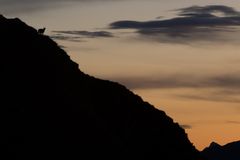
pixel 230 151
pixel 52 110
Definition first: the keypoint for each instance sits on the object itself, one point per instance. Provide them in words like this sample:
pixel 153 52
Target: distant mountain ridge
pixel 52 110
pixel 230 151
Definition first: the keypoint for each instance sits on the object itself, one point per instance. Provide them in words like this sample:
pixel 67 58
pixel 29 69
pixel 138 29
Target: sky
pixel 180 55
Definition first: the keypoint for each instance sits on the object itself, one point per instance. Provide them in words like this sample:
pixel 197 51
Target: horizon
pixel 189 70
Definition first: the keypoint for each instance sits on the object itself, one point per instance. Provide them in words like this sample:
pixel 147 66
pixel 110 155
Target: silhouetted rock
pixel 230 151
pixel 51 110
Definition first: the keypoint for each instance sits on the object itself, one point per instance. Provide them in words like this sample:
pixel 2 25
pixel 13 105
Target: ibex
pixel 41 30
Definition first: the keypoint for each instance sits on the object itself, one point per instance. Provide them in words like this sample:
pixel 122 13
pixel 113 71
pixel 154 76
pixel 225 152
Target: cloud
pixel 86 34
pixel 194 23
pixel 233 122
pixel 222 88
pixel 224 81
pixel 208 10
pixel 210 97
pixel 185 126
pixel 66 38
pixel 76 36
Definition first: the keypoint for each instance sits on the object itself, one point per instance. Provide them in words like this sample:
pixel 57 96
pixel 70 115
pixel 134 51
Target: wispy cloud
pixel 208 11
pixel 224 81
pixel 209 97
pixel 222 88
pixel 186 126
pixel 78 35
pixel 194 23
pixel 86 34
pixel 233 122
pixel 66 38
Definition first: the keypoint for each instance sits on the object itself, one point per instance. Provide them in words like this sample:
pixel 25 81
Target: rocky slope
pixel 51 110
pixel 230 151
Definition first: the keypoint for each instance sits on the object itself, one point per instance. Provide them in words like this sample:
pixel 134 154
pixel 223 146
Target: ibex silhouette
pixel 41 30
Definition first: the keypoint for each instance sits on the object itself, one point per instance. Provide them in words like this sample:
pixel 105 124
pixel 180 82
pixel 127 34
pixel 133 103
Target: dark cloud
pixel 66 38
pixel 86 34
pixel 193 23
pixel 77 36
pixel 208 10
pixel 185 126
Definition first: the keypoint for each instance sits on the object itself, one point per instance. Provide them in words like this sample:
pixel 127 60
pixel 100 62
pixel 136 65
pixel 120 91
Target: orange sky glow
pixel 195 81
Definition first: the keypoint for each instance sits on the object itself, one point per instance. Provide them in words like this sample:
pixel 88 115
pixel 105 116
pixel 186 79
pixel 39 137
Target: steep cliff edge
pixel 51 110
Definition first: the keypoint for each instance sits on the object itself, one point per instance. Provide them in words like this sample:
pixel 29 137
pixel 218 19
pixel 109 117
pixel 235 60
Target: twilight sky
pixel 180 55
